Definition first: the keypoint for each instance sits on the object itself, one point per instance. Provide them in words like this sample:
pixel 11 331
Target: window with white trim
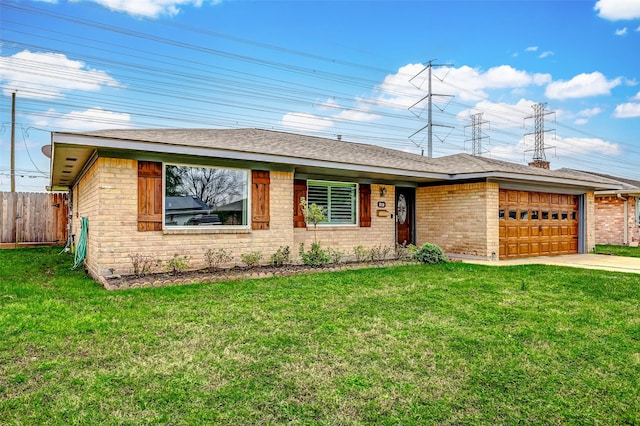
pixel 205 196
pixel 337 198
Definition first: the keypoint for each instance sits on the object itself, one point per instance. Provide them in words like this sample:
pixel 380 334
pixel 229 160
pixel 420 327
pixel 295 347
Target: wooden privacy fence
pixel 30 218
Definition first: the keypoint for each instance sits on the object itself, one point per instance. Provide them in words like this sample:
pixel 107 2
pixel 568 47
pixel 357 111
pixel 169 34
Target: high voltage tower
pixel 476 134
pixel 429 98
pixel 539 157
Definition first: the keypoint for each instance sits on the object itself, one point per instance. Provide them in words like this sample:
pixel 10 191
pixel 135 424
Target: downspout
pixel 626 218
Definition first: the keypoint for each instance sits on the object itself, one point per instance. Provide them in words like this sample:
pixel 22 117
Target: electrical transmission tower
pixel 429 98
pixel 476 134
pixel 539 157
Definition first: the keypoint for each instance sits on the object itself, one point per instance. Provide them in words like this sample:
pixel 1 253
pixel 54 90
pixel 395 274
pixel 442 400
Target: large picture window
pixel 337 198
pixel 205 196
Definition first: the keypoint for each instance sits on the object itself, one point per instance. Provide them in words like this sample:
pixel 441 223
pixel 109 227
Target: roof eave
pixel 554 180
pixel 98 142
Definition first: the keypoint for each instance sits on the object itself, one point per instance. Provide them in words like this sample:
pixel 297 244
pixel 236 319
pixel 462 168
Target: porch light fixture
pixel 383 192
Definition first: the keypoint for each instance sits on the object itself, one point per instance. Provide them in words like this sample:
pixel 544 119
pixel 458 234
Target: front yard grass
pixel 617 250
pixel 445 344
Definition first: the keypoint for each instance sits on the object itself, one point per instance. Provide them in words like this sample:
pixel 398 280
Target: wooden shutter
pixel 365 205
pixel 149 196
pixel 299 192
pixel 260 180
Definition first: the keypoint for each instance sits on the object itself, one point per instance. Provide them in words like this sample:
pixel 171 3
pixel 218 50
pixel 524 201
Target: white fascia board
pixel 165 148
pixel 553 180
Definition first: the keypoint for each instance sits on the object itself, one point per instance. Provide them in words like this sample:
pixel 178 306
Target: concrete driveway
pixel 586 261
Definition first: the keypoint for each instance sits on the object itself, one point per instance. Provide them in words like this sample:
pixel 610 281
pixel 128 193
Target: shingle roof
pixel 188 202
pixel 296 146
pixel 281 144
pixel 627 184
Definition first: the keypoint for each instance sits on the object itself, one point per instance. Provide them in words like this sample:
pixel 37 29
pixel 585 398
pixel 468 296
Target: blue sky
pixel 329 68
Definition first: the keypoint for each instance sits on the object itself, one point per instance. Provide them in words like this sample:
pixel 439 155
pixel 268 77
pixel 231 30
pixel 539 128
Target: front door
pixel 405 215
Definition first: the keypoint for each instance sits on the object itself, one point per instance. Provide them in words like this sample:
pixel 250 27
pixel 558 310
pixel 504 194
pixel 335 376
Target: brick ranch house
pixel 181 191
pixel 617 214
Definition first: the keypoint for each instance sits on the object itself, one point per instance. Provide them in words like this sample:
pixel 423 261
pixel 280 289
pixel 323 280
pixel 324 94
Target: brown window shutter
pixel 260 180
pixel 365 205
pixel 299 192
pixel 149 196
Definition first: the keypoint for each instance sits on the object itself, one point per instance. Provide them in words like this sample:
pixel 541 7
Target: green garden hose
pixel 81 248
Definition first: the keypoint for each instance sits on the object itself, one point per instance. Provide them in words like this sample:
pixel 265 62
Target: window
pixel 638 211
pixel 501 214
pixel 524 214
pixel 513 214
pixel 205 196
pixel 337 198
pixel 534 215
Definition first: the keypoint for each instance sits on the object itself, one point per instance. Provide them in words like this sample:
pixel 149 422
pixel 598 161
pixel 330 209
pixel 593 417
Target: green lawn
pixel 447 344
pixel 618 250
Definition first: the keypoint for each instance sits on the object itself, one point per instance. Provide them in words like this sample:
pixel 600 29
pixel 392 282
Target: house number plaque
pixel 382 204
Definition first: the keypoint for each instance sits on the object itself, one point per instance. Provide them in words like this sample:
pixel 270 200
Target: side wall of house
pixel 461 219
pixel 86 203
pixel 610 220
pixel 345 238
pixel 114 234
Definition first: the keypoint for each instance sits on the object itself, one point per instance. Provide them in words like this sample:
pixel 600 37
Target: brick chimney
pixel 541 164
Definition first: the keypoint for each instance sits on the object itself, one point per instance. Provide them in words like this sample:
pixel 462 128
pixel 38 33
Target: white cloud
pixel 558 146
pixel 48 75
pixel 465 82
pixel 150 8
pixel 546 54
pixel 329 104
pixel 306 122
pixel 531 49
pixel 628 110
pixel 581 86
pixel 636 97
pixel 356 115
pixel 91 119
pixel 638 29
pixel 584 115
pixel 621 31
pixel 589 112
pixel 615 10
pixel 500 115
pixel 583 146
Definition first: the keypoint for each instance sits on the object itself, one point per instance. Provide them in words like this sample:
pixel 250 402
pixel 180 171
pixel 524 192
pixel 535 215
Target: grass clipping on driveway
pixel 446 344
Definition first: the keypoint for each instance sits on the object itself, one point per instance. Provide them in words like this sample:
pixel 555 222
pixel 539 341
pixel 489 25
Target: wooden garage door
pixel 537 224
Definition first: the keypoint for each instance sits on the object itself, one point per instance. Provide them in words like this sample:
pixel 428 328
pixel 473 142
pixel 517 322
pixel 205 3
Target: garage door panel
pixel 535 249
pixel 524 249
pixel 537 223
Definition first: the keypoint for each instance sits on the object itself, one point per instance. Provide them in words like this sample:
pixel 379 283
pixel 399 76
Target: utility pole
pixel 429 99
pixel 476 134
pixel 13 142
pixel 539 157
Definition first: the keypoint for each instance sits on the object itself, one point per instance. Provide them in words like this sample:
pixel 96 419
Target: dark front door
pixel 405 215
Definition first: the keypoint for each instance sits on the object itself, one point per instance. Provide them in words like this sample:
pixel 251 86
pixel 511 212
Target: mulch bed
pixel 236 273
